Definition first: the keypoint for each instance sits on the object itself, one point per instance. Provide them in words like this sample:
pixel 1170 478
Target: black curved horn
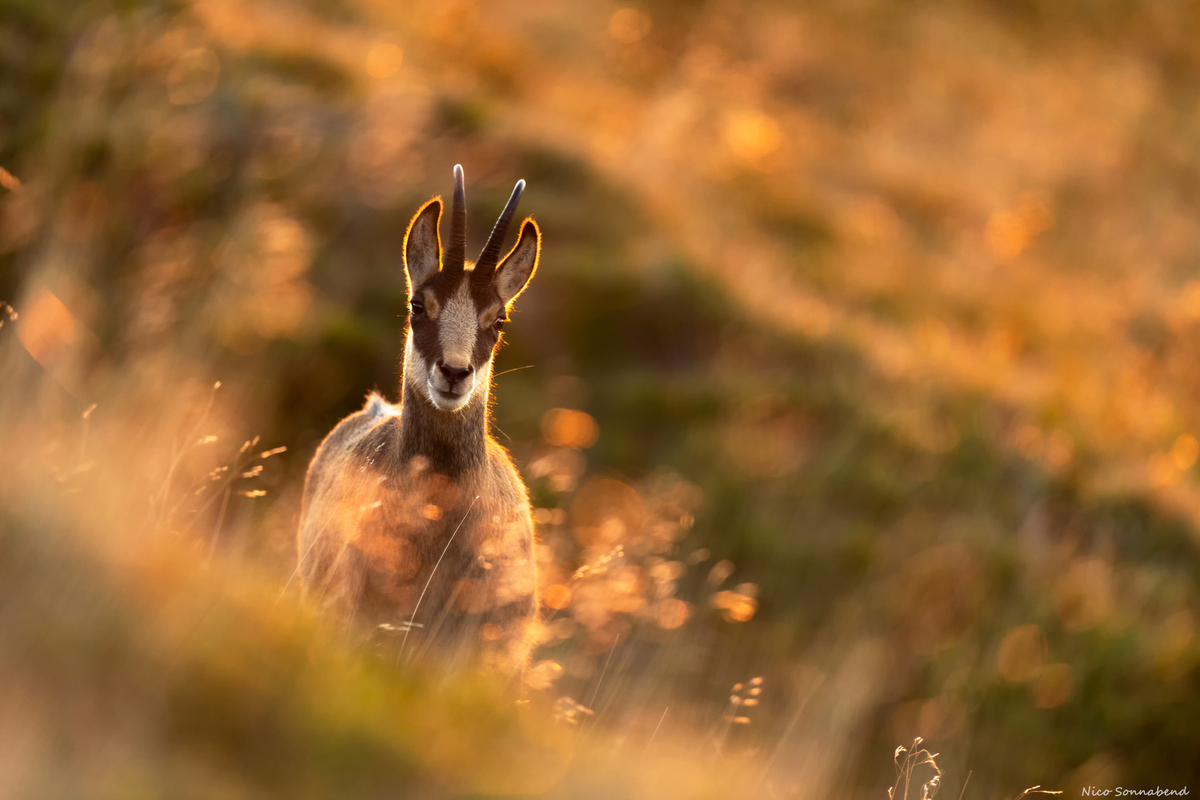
pixel 490 257
pixel 456 251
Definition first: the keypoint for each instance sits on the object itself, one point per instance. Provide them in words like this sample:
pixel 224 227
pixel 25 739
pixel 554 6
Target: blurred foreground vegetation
pixel 860 361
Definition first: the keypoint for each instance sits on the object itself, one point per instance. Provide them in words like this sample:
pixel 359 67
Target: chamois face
pixel 456 311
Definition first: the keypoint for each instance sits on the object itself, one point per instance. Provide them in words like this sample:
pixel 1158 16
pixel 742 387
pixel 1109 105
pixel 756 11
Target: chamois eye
pixel 418 308
pixel 499 324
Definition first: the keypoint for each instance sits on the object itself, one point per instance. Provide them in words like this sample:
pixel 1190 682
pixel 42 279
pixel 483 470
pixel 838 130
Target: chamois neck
pixel 455 442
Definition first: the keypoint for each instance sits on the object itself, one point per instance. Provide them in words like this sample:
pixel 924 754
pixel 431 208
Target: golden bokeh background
pixel 856 391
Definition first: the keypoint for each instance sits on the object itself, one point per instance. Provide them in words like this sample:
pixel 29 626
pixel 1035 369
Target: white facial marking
pixel 414 365
pixel 457 328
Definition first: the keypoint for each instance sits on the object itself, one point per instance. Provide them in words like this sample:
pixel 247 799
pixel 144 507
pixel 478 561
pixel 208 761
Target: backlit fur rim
pixel 537 256
pixel 437 229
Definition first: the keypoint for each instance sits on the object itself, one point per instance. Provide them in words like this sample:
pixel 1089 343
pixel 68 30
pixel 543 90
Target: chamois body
pixel 413 516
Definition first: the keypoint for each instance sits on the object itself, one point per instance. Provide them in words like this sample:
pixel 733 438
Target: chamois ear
pixel 422 245
pixel 517 268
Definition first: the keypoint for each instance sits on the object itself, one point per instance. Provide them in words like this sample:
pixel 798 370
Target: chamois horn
pixel 490 257
pixel 456 252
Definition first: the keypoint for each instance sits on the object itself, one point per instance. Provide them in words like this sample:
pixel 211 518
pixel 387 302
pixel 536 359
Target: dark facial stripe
pixel 425 337
pixel 485 345
pixel 485 342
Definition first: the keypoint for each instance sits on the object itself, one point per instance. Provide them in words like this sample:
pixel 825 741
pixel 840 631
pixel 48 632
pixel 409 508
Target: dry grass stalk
pixel 915 756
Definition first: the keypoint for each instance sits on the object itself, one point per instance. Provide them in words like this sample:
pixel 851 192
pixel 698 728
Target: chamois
pixel 413 516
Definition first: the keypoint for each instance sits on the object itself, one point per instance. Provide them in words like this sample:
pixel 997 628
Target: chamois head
pixel 456 310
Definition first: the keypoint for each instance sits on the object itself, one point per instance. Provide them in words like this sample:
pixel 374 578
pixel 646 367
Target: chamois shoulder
pixel 503 472
pixel 349 435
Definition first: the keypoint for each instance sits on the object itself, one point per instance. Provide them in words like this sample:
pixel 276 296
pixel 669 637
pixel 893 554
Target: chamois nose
pixel 454 374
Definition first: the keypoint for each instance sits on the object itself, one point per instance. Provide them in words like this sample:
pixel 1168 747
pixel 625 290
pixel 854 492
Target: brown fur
pixel 414 513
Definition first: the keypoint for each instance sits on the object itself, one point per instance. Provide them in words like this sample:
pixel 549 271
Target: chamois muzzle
pixel 451 387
